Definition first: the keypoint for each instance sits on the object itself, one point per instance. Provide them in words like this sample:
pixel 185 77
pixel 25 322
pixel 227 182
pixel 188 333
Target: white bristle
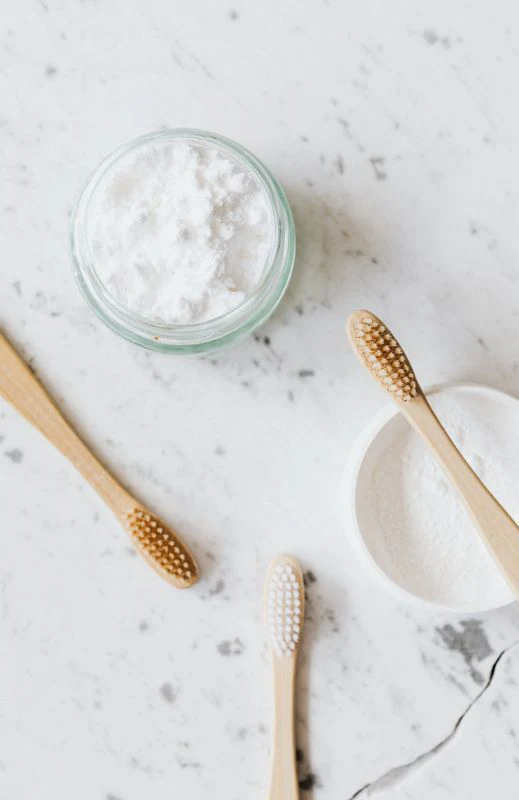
pixel 284 615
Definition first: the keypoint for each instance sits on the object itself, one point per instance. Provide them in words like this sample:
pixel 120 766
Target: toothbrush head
pixel 162 548
pixel 382 355
pixel 285 599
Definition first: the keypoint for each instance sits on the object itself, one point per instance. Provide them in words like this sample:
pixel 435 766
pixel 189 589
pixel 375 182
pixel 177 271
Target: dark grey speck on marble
pixel 309 578
pixel 217 588
pixel 168 693
pixel 231 647
pixel 377 162
pixel 14 455
pixel 470 641
pixel 432 38
pixel 307 779
pixel 309 782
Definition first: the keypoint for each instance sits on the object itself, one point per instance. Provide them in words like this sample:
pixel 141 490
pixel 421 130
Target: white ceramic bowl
pixel 373 436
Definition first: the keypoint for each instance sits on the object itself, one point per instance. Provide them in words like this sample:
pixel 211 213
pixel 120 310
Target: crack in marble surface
pixel 397 775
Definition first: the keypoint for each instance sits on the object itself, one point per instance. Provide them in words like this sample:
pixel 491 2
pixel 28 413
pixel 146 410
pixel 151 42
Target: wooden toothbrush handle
pixel 496 527
pixel 284 784
pixel 23 391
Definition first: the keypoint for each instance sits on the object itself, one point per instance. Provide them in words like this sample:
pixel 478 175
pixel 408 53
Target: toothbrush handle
pixel 284 784
pixel 24 392
pixel 495 526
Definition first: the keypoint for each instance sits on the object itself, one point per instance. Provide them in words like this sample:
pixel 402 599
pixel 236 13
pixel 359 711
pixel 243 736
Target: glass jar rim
pixel 199 336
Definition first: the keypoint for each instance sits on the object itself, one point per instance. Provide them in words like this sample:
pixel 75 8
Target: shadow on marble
pixel 332 249
pixel 318 615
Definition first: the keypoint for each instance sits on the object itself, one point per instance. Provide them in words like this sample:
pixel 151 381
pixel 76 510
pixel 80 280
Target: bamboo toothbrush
pixel 159 545
pixel 284 597
pixel 380 352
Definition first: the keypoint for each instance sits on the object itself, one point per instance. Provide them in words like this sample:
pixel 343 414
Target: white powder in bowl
pixel 411 519
pixel 180 232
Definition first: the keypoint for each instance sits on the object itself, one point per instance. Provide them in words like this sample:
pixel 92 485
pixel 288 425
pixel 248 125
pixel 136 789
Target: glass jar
pixel 197 337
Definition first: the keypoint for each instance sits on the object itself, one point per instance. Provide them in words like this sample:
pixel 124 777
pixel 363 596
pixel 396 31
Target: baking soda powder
pixel 180 233
pixel 411 518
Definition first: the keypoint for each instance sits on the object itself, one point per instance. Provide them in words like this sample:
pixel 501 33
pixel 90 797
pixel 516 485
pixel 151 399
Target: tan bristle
pixel 383 356
pixel 161 545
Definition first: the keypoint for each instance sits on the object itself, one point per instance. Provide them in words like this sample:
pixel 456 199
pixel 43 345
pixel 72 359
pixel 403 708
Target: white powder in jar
pixel 180 232
pixel 410 516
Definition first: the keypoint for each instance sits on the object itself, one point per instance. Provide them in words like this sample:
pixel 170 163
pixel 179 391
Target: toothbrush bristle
pixel 285 609
pixel 162 547
pixel 382 355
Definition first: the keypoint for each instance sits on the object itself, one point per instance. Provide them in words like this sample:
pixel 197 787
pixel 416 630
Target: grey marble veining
pixel 393 128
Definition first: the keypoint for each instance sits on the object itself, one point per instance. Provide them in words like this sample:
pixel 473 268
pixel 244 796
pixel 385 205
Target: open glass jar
pixel 192 337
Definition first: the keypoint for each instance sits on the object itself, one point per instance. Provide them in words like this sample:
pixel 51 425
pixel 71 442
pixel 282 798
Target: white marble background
pixel 394 127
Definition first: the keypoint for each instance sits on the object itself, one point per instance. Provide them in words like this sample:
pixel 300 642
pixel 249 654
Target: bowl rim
pixel 349 484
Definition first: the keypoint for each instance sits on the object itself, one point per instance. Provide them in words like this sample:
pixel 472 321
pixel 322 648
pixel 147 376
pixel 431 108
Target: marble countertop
pixel 394 129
